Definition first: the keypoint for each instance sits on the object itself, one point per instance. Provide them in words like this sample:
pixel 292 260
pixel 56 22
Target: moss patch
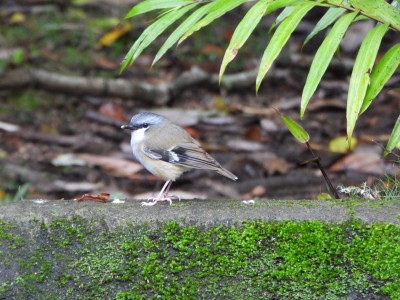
pixel 82 259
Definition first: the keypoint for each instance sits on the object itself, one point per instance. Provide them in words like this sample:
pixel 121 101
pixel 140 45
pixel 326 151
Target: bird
pixel 167 151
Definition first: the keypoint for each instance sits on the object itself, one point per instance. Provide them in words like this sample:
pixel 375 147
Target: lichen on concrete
pixel 89 257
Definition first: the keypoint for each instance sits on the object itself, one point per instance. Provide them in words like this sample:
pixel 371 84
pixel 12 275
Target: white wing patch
pixel 173 156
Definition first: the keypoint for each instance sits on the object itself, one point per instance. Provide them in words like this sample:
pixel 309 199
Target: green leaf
pixel 276 4
pixel 152 32
pixel 394 137
pixel 181 30
pixel 286 12
pixel 328 18
pixel 298 132
pixel 323 57
pixel 360 76
pixel 243 31
pixel 381 73
pixel 279 39
pixel 149 5
pixel 379 10
pixel 219 8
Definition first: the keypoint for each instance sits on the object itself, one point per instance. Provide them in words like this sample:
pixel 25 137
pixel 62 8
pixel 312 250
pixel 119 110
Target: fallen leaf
pixel 17 18
pixel 103 197
pixel 103 62
pixel 193 132
pixel 113 111
pixel 276 166
pixel 368 162
pixel 220 104
pixel 114 166
pixel 111 36
pixel 254 134
pixel 258 191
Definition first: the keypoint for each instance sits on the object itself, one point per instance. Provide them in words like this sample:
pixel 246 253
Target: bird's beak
pixel 128 126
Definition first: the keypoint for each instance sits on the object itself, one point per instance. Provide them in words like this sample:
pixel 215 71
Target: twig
pixel 321 168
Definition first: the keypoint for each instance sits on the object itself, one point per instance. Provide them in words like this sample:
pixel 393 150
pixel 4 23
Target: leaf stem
pixel 328 181
pixel 334 3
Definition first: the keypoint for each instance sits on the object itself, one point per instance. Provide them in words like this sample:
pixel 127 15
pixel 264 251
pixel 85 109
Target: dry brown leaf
pixel 254 134
pixel 102 197
pixel 258 191
pixel 103 62
pixel 368 162
pixel 276 166
pixel 112 111
pixel 194 133
pixel 114 166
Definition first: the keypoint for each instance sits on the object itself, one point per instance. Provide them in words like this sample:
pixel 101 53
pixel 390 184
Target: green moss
pixel 253 260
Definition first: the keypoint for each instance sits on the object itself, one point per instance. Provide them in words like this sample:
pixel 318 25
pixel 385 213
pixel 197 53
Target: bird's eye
pixel 145 125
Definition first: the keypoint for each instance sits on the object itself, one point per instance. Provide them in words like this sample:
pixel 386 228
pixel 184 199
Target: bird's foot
pixel 153 201
pixel 176 197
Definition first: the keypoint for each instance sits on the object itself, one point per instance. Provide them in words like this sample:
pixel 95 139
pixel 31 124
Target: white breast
pixel 137 136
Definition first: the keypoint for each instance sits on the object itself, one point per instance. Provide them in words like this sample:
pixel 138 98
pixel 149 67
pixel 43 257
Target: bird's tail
pixel 226 173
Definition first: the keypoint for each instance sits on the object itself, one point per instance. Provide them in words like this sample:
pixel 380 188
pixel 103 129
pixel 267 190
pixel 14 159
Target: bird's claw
pixel 153 201
pixel 177 197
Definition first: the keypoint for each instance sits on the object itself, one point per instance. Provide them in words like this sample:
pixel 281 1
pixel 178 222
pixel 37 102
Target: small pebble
pixel 248 202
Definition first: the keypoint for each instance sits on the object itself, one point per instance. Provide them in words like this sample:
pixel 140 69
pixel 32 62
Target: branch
pixel 96 86
pixel 158 94
pixel 350 8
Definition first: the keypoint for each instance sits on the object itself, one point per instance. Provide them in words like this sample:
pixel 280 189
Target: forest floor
pixel 63 101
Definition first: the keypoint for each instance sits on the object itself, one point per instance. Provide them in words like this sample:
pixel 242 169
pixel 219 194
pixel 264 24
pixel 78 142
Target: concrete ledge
pixel 200 249
pixel 204 212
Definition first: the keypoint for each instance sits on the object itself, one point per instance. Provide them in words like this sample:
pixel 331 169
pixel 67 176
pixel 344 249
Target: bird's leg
pixel 162 196
pixel 169 198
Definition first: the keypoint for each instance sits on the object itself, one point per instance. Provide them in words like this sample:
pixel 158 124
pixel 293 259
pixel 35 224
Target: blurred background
pixel 63 101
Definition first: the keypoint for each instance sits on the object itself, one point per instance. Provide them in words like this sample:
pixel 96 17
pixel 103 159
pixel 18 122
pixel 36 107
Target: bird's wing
pixel 153 154
pixel 188 154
